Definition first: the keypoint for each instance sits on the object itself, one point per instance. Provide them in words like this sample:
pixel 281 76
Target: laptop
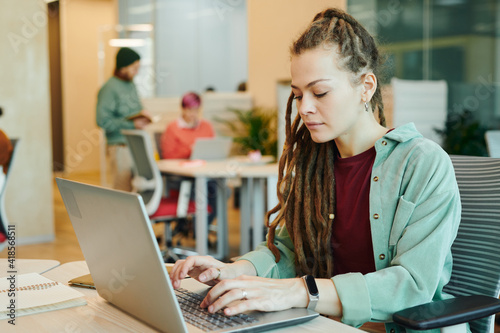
pixel 211 149
pixel 122 253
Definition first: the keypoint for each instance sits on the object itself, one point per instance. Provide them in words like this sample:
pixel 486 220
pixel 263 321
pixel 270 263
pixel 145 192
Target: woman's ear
pixel 369 83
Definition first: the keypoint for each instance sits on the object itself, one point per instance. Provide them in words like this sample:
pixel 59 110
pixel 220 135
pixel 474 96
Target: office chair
pixel 4 223
pixel 493 142
pixel 148 182
pixel 422 102
pixel 475 277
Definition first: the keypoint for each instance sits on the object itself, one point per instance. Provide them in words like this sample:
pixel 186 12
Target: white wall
pixel 198 43
pixel 24 96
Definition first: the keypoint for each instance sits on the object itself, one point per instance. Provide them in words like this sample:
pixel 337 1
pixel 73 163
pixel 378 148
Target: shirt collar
pixel 403 133
pixel 183 124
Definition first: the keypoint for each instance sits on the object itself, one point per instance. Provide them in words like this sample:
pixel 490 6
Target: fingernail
pixel 211 308
pixel 227 312
pixel 203 278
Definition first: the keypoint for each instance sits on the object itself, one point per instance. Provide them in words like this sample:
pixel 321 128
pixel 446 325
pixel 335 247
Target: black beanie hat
pixel 125 57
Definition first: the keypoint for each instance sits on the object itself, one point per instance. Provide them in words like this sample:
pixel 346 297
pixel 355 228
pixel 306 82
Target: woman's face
pixel 327 102
pixel 191 115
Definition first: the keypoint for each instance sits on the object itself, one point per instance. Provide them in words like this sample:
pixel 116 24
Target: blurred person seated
pixel 178 139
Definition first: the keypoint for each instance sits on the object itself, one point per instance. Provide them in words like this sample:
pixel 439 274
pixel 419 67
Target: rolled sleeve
pixel 355 298
pixel 264 260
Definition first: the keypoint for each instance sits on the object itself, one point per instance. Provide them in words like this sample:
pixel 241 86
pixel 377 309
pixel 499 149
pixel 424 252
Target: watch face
pixel 311 285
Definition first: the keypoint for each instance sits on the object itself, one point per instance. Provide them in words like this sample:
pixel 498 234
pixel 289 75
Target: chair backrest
pixel 493 142
pixel 157 136
pixel 3 217
pixel 421 102
pixel 147 178
pixel 476 250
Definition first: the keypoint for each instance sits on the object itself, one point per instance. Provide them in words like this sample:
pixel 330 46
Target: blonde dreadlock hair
pixel 306 183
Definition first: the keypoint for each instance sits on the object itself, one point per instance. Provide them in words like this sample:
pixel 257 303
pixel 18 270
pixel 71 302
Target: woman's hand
pixel 202 268
pixel 208 270
pixel 246 293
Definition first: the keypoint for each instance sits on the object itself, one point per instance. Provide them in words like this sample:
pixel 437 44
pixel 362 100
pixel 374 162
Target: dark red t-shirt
pixel 351 234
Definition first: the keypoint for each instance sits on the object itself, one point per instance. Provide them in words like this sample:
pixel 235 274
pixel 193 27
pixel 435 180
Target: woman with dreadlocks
pixel 366 213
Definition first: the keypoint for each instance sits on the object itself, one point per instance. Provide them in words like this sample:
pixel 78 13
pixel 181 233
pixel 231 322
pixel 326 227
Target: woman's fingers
pixel 234 297
pixel 251 293
pixel 203 268
pixel 211 274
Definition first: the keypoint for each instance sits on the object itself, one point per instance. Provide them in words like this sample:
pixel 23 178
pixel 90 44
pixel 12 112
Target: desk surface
pixel 23 266
pixel 100 316
pixel 259 171
pixel 228 168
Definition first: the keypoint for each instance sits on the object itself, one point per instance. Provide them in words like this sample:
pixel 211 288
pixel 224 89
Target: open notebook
pixel 32 293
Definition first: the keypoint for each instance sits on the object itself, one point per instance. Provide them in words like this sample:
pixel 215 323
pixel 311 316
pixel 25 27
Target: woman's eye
pixel 299 98
pixel 320 95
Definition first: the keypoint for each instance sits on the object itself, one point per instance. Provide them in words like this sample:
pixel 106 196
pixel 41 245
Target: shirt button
pixel 393 330
pixel 384 143
pixel 375 216
pixel 381 257
pixel 375 179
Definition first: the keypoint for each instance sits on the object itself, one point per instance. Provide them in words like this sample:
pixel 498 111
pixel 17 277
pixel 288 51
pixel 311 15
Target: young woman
pixel 178 139
pixel 369 212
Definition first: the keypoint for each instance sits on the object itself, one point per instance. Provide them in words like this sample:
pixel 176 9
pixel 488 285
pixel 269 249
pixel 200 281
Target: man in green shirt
pixel 117 102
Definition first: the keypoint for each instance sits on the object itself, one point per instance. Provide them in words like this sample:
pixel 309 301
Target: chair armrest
pixel 448 312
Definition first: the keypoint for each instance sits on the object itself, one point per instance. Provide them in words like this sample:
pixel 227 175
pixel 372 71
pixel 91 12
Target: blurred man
pixel 118 108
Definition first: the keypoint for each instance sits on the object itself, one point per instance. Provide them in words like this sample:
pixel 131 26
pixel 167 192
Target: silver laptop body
pixel 211 149
pixel 125 262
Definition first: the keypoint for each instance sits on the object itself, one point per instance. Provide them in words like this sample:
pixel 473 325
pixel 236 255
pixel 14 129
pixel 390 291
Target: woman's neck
pixel 360 139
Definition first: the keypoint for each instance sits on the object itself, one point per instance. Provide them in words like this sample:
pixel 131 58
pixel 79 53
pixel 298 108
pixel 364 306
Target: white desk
pixel 221 170
pixel 100 316
pixel 255 202
pixel 23 266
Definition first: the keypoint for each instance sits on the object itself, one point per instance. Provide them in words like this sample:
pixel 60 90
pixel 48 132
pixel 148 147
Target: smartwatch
pixel 312 289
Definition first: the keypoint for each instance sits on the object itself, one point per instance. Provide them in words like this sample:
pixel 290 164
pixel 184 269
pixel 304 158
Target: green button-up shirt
pixel 414 216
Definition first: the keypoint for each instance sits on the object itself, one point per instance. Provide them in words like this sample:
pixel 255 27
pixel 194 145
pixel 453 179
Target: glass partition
pixel 452 40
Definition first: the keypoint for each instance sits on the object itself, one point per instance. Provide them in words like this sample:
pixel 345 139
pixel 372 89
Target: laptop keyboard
pixel 201 318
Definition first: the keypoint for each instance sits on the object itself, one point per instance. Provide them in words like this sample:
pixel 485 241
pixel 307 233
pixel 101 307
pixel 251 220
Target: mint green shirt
pixel 117 100
pixel 414 216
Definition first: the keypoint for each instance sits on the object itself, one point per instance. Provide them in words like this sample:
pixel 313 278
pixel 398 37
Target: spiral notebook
pixel 33 293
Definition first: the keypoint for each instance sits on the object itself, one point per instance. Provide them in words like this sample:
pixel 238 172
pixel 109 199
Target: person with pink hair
pixel 178 139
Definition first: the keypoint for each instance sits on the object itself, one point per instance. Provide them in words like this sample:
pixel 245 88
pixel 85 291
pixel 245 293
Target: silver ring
pixel 245 294
pixel 218 276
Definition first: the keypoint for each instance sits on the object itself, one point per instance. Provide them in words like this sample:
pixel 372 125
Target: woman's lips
pixel 313 125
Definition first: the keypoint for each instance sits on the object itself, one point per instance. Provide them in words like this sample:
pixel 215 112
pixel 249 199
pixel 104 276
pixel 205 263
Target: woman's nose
pixel 305 106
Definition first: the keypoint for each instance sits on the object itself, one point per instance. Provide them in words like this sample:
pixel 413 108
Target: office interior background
pixel 56 54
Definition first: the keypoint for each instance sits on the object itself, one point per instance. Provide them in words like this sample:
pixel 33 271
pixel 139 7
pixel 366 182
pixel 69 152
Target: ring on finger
pixel 218 275
pixel 245 294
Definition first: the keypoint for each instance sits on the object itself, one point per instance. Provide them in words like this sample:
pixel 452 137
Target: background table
pixel 222 170
pixel 201 172
pixel 258 195
pixel 100 316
